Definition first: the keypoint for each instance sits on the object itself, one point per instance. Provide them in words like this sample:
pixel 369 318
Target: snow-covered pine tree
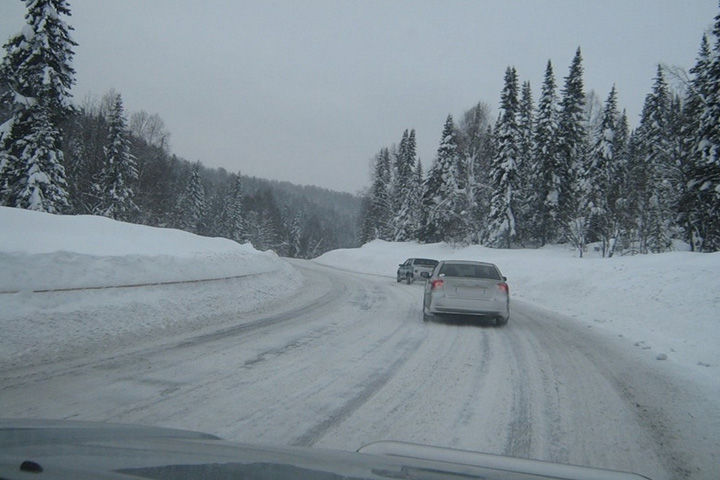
pixel 636 185
pixel 367 228
pixel 33 179
pixel 599 182
pixel 190 209
pixel 709 141
pixel 263 220
pixel 572 144
pixel 699 206
pixel 419 177
pixel 483 185
pixel 703 198
pixel 618 197
pixel 442 219
pixel 474 135
pixel 526 122
pixel 414 195
pixel 656 216
pixel 418 197
pixel 400 174
pixel 39 75
pixel 283 248
pixel 256 229
pixel 86 138
pixel 405 190
pixel 296 233
pixel 377 214
pixel 678 167
pixel 77 165
pixel 119 169
pixel 691 211
pixel 473 138
pixel 234 212
pixel 502 231
pixel 524 194
pixel 546 169
pixel 461 228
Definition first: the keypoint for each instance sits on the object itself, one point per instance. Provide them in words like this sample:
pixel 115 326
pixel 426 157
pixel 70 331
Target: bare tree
pixel 150 128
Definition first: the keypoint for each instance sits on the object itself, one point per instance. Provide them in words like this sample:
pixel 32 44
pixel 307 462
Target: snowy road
pixel 348 361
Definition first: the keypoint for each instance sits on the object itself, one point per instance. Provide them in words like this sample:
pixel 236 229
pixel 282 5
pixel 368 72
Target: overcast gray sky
pixel 309 91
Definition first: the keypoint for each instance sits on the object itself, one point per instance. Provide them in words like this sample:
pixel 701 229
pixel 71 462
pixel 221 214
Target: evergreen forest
pixel 565 169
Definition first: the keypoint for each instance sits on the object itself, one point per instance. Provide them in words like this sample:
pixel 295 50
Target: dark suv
pixel 411 269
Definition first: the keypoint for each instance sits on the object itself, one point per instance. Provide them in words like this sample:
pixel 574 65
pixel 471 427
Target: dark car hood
pixel 38 449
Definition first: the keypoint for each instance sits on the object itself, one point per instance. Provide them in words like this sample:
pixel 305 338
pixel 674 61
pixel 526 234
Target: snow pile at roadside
pixel 81 255
pixel 39 251
pixel 667 304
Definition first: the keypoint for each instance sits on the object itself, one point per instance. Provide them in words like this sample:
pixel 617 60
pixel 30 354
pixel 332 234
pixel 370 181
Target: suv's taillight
pixel 436 284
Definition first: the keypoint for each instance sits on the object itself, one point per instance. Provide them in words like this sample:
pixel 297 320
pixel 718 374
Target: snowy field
pixel 666 305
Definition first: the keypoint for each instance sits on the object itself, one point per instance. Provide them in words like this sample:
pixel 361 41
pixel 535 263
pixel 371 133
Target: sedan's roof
pixel 466 262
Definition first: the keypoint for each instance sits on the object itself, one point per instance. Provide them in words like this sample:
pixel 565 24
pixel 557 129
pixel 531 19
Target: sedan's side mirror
pixel 425 274
pixel 504 278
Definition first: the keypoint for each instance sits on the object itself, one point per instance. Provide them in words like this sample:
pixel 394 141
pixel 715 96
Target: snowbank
pixel 667 304
pixel 39 251
pixel 73 259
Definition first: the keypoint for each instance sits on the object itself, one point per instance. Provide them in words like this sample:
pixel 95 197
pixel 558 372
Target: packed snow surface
pixel 667 304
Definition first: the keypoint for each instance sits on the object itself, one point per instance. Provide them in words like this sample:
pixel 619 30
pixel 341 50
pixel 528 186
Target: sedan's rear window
pixel 470 271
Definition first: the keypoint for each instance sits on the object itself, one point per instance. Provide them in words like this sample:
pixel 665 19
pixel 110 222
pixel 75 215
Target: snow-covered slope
pixel 81 255
pixel 41 251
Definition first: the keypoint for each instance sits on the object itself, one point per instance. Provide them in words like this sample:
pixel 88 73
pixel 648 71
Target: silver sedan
pixel 461 287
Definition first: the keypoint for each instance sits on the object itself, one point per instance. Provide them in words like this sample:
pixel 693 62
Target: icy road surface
pixel 348 361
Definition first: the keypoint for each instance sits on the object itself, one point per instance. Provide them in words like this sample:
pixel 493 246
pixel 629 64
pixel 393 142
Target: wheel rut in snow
pixel 24 376
pixel 314 434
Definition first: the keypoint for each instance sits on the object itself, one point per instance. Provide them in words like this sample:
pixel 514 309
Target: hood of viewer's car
pixel 39 449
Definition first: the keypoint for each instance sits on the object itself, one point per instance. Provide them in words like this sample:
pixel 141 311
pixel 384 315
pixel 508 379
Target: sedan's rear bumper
pixel 485 308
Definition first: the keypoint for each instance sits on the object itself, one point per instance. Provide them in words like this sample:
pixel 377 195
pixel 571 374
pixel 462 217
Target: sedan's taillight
pixel 504 288
pixel 436 284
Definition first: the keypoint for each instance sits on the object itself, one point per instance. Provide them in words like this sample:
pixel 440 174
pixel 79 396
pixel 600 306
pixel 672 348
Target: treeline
pixel 167 191
pixel 92 159
pixel 565 170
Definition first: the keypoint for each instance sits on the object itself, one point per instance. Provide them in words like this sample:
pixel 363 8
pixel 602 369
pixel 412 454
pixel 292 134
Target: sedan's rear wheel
pixel 427 317
pixel 501 321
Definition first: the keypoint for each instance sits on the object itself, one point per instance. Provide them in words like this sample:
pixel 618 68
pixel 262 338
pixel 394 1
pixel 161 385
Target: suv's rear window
pixel 426 261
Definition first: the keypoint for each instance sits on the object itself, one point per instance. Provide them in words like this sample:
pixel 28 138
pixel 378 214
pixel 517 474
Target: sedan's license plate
pixel 470 291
